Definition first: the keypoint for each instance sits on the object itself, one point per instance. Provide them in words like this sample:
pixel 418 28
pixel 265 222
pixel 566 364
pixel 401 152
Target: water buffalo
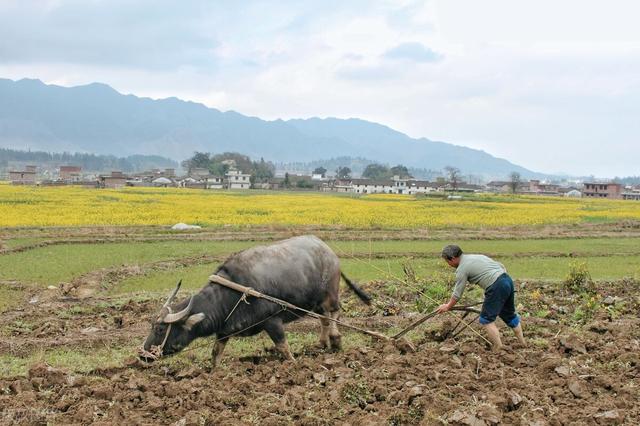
pixel 302 270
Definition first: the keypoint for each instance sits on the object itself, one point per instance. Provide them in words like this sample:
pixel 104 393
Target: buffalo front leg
pixel 275 330
pixel 325 325
pixel 218 349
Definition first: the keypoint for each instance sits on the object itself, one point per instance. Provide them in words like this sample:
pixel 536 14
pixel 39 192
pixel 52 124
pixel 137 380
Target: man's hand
pixel 447 306
pixel 443 308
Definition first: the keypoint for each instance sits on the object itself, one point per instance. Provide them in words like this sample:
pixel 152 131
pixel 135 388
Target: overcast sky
pixel 551 85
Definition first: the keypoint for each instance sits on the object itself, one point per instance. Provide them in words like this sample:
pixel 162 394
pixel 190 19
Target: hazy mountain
pixel 14 159
pixel 96 118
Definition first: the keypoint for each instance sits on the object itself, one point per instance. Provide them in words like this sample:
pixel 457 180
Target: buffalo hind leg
pixel 218 348
pixel 275 330
pixel 334 335
pixel 329 334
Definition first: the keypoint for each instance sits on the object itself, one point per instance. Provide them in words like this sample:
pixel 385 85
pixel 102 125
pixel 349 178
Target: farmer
pixel 498 291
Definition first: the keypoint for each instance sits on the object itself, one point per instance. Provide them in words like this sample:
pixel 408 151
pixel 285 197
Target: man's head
pixel 451 254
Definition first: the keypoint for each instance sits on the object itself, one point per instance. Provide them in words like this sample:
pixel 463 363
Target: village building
pixel 369 186
pixel 115 180
pixel 214 182
pixel 602 190
pixel 574 193
pixel 538 188
pixel 421 187
pixel 23 177
pixel 396 185
pixel 399 185
pixel 70 173
pixel 163 182
pixel 631 193
pixel 238 180
pixel 339 185
pixel 499 186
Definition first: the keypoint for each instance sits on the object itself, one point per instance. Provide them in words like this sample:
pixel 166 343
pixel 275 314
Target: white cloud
pixel 412 51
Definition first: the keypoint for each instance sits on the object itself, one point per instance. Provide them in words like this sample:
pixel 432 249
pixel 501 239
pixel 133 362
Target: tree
pixel 262 171
pixel 514 181
pixel 453 174
pixel 319 171
pixel 401 171
pixel 286 182
pixel 226 159
pixel 304 184
pixel 376 171
pixel 200 160
pixel 343 172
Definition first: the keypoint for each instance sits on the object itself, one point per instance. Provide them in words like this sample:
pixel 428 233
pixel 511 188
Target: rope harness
pixel 243 298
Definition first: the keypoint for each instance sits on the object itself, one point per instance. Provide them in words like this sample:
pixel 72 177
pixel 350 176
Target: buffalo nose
pixel 146 359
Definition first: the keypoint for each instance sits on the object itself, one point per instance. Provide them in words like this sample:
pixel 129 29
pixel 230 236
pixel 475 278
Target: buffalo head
pixel 172 329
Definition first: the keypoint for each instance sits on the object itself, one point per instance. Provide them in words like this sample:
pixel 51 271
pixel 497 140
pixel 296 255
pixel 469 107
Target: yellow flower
pixel 76 206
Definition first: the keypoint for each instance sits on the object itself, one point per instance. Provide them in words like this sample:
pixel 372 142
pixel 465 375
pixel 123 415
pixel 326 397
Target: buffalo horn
pixel 173 295
pixel 171 318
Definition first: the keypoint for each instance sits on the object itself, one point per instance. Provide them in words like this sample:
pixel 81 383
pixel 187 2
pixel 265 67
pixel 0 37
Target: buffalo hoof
pixel 322 345
pixel 336 343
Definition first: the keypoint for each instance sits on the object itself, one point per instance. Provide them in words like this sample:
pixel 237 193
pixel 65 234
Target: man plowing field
pixel 499 293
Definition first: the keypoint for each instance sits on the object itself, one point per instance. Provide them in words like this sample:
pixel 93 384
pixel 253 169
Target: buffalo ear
pixel 193 320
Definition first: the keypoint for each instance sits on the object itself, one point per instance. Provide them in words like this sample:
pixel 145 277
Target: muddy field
pixel 67 352
pixel 568 374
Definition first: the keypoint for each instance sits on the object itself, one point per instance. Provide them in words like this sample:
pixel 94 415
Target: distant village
pixel 234 179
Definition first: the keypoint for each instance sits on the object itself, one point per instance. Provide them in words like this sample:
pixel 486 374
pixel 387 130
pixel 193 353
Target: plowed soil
pixel 587 374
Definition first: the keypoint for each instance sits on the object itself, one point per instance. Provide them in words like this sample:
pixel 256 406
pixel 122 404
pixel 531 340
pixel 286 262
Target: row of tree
pixel 88 162
pixel 372 171
pixel 262 171
pixel 220 164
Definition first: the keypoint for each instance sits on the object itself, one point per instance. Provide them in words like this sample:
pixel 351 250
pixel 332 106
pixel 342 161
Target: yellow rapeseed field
pixel 74 206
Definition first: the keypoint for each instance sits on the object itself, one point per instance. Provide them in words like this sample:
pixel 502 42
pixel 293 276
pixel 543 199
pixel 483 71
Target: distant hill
pixel 96 118
pixel 88 162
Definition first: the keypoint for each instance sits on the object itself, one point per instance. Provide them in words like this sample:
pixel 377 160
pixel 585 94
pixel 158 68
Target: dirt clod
pixel 571 344
pixel 577 388
pixel 608 417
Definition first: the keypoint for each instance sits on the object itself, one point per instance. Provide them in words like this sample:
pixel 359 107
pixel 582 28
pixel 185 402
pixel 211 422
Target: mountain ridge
pixel 97 118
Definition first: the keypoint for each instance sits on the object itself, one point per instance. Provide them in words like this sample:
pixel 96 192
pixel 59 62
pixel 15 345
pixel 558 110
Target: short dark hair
pixel 451 251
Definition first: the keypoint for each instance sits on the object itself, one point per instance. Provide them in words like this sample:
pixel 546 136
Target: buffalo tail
pixel 357 290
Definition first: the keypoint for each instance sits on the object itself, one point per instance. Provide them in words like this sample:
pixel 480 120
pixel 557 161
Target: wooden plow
pixel 398 340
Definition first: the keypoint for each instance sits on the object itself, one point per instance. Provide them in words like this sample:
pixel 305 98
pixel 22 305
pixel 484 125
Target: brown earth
pixel 584 372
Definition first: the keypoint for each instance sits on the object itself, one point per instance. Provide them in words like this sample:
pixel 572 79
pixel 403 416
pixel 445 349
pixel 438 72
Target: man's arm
pixel 461 282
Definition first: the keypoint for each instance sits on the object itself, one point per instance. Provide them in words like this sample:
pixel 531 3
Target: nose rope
pixel 155 352
pixel 166 336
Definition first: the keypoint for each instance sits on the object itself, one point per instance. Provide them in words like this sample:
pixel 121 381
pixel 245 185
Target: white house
pixel 399 185
pixel 215 182
pixel 420 187
pixel 162 182
pixel 369 186
pixel 238 180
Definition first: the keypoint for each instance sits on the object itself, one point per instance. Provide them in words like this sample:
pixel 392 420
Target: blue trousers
pixel 499 301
